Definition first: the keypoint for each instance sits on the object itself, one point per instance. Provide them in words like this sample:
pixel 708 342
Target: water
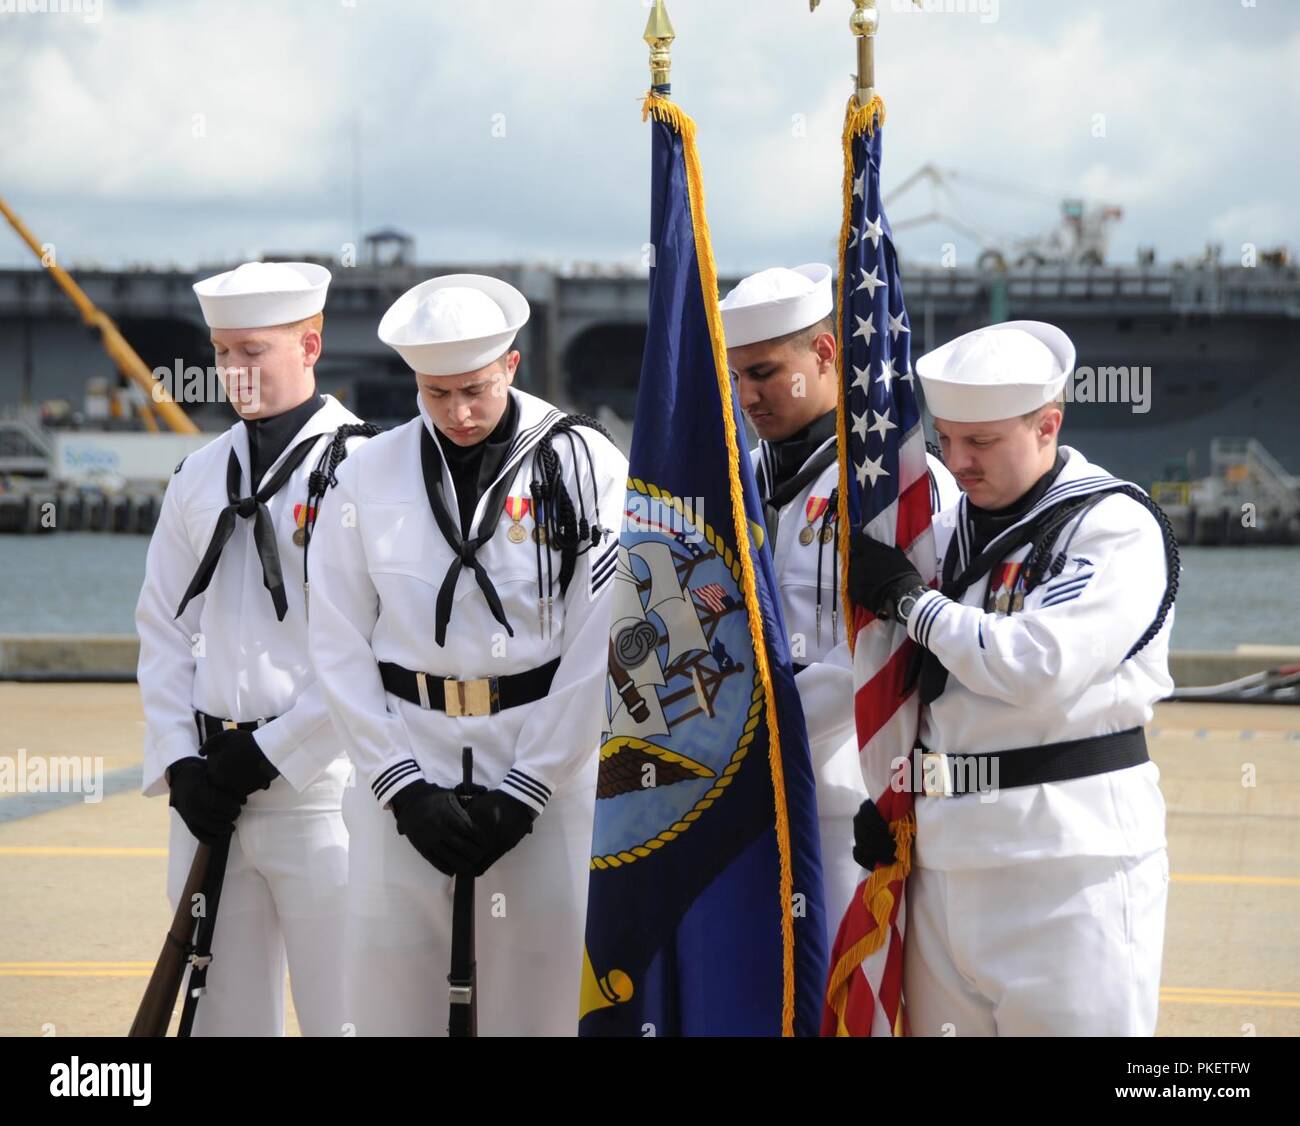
pixel 1232 596
pixel 86 582
pixel 70 582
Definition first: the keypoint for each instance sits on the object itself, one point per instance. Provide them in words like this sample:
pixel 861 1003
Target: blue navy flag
pixel 706 913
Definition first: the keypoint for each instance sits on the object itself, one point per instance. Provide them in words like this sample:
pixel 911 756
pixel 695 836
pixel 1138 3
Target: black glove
pixel 502 821
pixel 208 811
pixel 434 820
pixel 873 843
pixel 236 763
pixel 879 575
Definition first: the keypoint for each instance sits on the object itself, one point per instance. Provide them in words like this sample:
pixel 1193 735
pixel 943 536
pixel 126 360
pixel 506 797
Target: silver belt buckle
pixel 461 994
pixel 934 764
pixel 229 725
pixel 422 687
pixel 469 697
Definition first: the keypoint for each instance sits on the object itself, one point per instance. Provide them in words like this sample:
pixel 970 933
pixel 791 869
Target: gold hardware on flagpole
pixel 863 23
pixel 659 35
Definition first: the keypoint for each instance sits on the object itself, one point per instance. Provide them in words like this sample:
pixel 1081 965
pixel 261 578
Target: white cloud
pixel 102 152
pixel 175 102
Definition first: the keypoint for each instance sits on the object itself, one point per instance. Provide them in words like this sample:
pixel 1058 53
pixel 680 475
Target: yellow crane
pixel 115 344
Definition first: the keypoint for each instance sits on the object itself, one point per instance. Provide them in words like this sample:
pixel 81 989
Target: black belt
pixel 209 725
pixel 958 774
pixel 485 696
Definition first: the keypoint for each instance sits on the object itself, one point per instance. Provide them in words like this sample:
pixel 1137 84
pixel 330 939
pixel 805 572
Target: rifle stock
pixel 155 1012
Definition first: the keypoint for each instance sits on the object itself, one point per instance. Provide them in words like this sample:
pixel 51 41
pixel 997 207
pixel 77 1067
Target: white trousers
pixel 1057 947
pixel 529 922
pixel 281 906
pixel 840 872
pixel 840 791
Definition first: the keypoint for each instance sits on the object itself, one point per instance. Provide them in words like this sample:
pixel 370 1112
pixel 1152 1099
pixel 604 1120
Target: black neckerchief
pixel 988 523
pixel 268 437
pixel 465 547
pixel 474 468
pixel 240 508
pixel 789 455
pixel 795 463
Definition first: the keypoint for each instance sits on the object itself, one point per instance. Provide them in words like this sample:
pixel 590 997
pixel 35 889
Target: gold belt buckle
pixel 470 697
pixel 936 775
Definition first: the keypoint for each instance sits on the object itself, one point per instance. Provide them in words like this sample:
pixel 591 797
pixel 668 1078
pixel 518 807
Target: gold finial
pixel 863 23
pixel 659 35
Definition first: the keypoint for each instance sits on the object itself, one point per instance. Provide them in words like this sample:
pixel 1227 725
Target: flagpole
pixel 863 23
pixel 659 34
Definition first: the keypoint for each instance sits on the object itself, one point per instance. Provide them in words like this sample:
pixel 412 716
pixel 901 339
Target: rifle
pixel 201 953
pixel 462 1019
pixel 155 1011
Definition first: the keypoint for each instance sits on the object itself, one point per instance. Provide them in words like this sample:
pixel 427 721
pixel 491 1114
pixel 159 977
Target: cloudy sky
pixel 191 132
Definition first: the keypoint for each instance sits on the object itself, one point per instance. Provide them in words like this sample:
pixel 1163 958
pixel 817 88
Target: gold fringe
pixel 670 114
pixel 879 900
pixel 857 120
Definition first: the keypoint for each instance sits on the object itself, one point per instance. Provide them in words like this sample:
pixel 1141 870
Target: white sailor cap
pixel 259 294
pixel 1001 371
pixel 454 324
pixel 777 302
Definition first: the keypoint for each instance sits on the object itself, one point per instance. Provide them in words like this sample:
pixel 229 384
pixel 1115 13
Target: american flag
pixel 713 596
pixel 886 489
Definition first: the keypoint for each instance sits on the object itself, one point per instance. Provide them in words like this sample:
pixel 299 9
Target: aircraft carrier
pixel 1172 358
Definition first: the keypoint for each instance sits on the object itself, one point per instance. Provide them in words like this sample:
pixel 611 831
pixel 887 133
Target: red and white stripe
pixel 887 726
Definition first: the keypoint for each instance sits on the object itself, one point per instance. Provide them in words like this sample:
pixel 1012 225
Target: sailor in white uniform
pixel 237 730
pixel 781 351
pixel 1036 902
pixel 460 599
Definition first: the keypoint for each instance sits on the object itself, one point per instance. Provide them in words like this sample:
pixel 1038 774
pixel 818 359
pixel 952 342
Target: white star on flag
pixel 874 231
pixel 907 376
pixel 887 373
pixel 860 426
pixel 881 426
pixel 865 329
pixel 862 378
pixel 871 281
pixel 896 325
pixel 872 468
pixel 860 185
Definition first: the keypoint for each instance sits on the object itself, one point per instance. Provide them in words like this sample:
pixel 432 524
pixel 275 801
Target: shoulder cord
pixel 557 525
pixel 1043 563
pixel 828 518
pixel 322 477
pixel 567 531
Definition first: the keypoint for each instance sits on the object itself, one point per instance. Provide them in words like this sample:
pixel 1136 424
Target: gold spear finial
pixel 863 23
pixel 660 35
